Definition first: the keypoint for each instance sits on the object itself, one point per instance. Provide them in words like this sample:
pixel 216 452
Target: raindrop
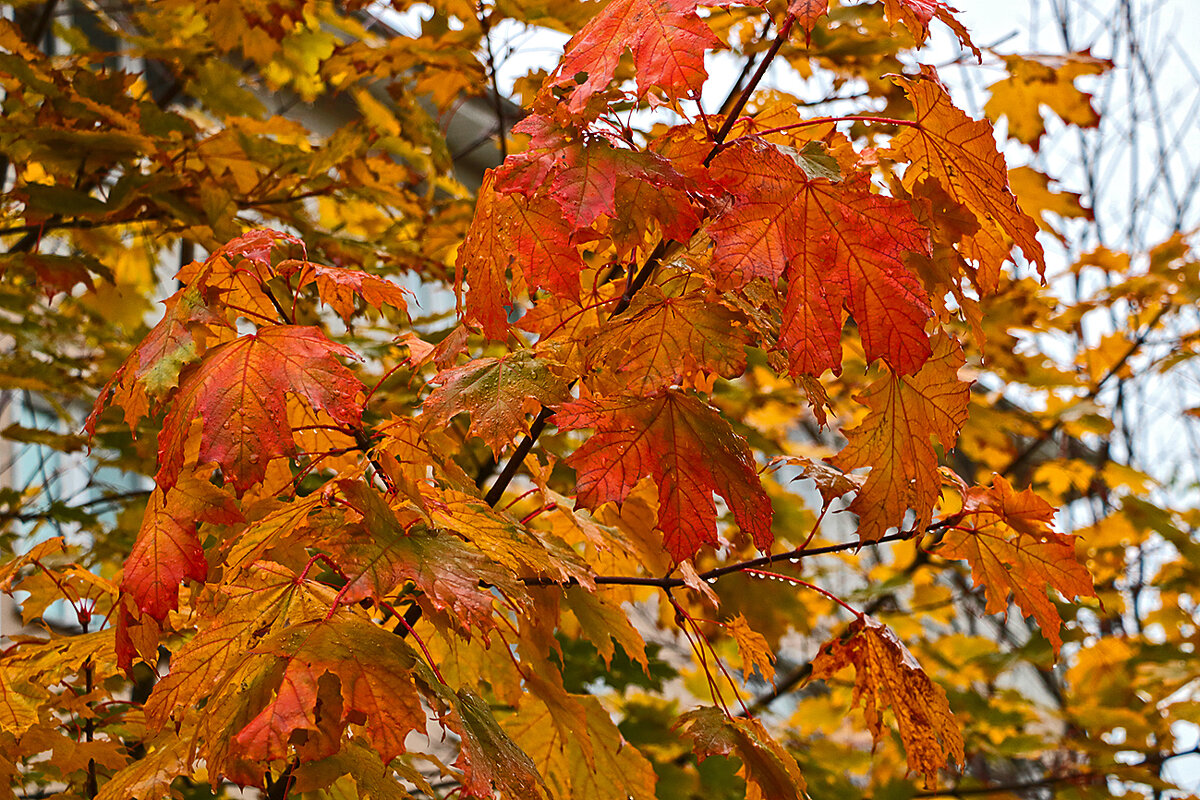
pixel 254 458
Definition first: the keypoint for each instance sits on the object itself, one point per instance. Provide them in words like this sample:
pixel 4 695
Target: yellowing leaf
pixel 886 676
pixel 1044 81
pixel 616 770
pixel 752 645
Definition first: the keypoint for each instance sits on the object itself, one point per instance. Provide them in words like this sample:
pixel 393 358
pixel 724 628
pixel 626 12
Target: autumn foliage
pixel 553 543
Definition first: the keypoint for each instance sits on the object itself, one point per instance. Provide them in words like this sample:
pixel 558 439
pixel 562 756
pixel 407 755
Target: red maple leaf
pixel 238 396
pixel 837 244
pixel 686 447
pixel 167 551
pixel 666 37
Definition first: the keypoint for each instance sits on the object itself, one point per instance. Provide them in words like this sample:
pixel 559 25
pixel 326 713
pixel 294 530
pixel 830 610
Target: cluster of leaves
pixel 510 551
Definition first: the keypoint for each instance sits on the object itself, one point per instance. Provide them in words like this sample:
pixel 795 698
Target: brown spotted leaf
pixel 497 393
pixel 770 771
pixel 887 677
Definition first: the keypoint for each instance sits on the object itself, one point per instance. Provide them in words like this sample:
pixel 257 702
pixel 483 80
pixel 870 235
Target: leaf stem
pixel 797 582
pixel 744 97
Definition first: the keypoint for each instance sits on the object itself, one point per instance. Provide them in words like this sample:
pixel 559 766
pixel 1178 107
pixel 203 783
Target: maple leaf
pixel 150 775
pixel 807 12
pixel 167 551
pixel 497 393
pixel 668 41
pixel 1042 81
pixel 602 624
pixel 960 154
pixel 1008 539
pixel 18 702
pixel 886 676
pixel 337 286
pixel 530 237
pixel 686 447
pixel 830 483
pixel 769 770
pixel 235 617
pixel 894 440
pixel 152 369
pixel 661 339
pixel 238 395
pixel 917 14
pixel 590 179
pixel 372 674
pixel 836 243
pixel 490 759
pixel 615 769
pixel 452 574
pixel 752 645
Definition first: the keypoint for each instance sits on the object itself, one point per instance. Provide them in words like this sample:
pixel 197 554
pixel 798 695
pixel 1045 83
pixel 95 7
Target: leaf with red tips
pixel 917 14
pixel 338 286
pixel 528 237
pixel 886 676
pixel 686 447
pixel 960 154
pixel 668 41
pixel 894 440
pixel 807 12
pixel 1008 539
pixel 370 671
pixel 837 244
pixel 238 395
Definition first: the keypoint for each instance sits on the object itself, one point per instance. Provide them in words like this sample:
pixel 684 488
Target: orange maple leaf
pixel 668 41
pixel 837 244
pixel 663 338
pixel 238 394
pixel 1008 540
pixel 894 440
pixel 960 154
